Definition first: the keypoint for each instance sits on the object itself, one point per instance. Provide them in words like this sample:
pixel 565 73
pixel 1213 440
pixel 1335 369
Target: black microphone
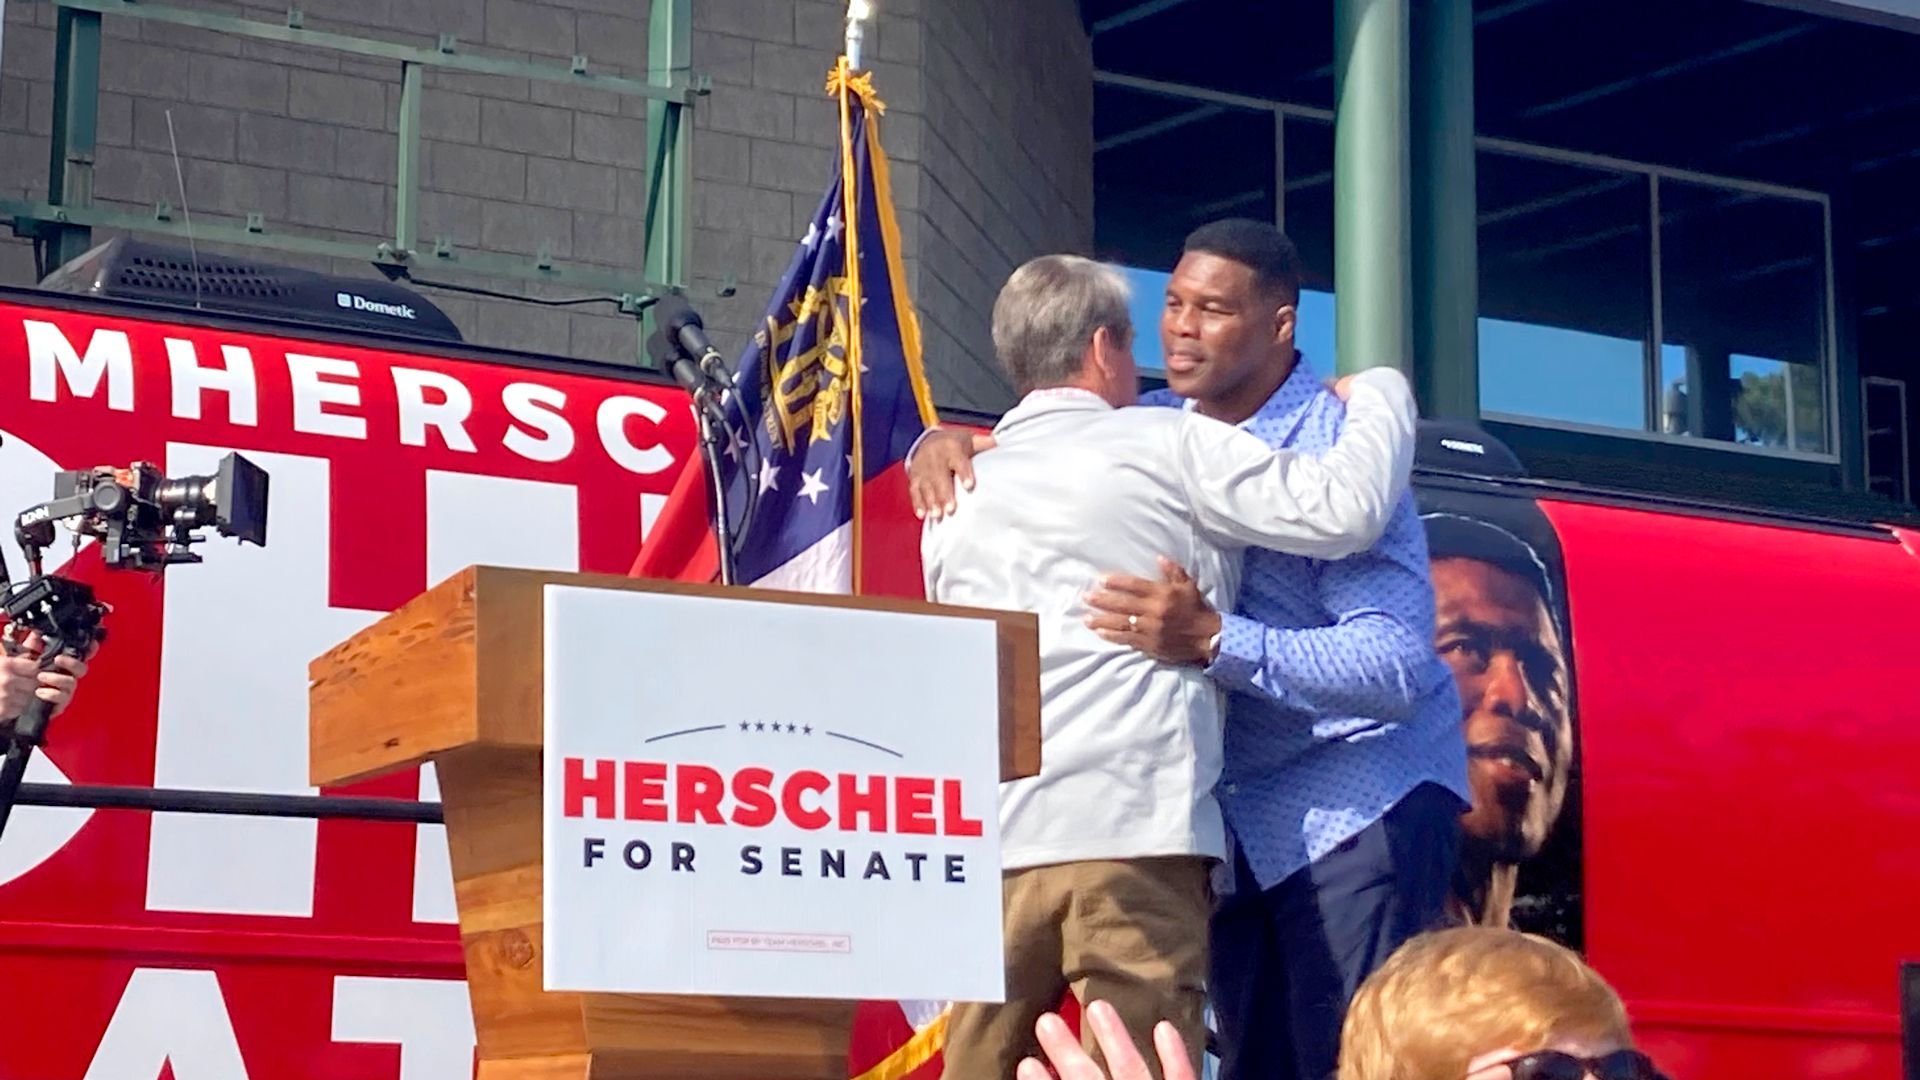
pixel 672 360
pixel 682 326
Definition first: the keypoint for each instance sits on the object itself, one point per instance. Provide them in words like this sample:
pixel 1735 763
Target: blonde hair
pixel 1446 997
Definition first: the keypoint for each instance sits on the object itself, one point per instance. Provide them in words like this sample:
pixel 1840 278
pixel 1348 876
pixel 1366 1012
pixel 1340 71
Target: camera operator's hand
pixel 21 680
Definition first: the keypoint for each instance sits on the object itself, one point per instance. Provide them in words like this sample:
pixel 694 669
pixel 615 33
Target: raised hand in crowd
pixel 1071 1062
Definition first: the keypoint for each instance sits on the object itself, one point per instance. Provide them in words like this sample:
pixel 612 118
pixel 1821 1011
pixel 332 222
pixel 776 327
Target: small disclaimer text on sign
pixel 771 941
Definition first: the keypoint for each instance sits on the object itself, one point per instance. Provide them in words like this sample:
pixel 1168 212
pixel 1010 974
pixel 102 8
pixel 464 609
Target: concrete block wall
pixel 1008 170
pixel 988 126
pixel 306 137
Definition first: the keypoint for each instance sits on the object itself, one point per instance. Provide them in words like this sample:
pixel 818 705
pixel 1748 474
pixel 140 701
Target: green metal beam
pixel 630 290
pixel 1372 278
pixel 681 90
pixel 76 111
pixel 670 131
pixel 66 219
pixel 1446 286
pixel 406 189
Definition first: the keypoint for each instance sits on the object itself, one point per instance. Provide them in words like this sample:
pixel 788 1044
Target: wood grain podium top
pixel 461 665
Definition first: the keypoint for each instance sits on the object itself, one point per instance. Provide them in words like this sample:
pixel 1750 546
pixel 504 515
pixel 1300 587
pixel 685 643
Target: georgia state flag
pixel 830 397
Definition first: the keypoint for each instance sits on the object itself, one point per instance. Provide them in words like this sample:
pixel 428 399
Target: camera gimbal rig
pixel 144 521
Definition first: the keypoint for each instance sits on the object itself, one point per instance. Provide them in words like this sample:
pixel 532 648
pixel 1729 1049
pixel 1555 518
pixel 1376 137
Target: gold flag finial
pixel 843 79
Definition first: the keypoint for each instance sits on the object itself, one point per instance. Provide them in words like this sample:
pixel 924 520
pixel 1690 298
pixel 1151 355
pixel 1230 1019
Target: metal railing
pixel 237 803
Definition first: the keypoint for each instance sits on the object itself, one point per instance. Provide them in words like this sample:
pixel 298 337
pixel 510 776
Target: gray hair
pixel 1047 314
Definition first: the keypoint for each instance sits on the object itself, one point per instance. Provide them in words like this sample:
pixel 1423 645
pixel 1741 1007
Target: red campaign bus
pixel 1713 793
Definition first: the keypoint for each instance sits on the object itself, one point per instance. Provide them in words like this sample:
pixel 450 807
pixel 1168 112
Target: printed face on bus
pixel 1495 632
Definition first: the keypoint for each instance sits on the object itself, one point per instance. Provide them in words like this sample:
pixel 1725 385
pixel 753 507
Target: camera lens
pixel 187 500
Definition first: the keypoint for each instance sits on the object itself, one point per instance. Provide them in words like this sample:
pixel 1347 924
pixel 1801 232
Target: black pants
pixel 1287 960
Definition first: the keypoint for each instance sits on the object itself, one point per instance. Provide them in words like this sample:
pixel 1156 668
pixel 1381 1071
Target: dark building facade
pixel 1692 240
pixel 1666 245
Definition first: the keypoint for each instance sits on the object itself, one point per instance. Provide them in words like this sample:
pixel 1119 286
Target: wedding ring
pixel 1133 622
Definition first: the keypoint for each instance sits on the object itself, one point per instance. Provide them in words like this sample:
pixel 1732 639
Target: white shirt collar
pixel 1052 399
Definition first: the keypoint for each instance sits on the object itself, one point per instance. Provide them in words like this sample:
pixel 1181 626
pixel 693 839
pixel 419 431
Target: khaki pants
pixel 1132 933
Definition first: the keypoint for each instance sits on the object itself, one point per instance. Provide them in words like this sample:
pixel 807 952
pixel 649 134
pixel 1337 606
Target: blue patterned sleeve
pixel 1374 660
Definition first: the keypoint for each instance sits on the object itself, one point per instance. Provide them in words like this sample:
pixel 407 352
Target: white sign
pixel 770 800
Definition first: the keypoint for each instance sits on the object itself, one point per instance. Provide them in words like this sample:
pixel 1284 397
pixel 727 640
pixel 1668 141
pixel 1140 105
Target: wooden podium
pixel 455 677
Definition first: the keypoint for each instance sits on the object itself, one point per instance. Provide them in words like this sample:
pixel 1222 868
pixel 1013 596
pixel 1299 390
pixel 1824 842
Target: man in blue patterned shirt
pixel 1345 768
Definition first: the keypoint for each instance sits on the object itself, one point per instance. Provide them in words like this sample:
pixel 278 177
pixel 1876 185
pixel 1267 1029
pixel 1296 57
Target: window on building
pixel 1888 450
pixel 1710 327
pixel 1743 306
pixel 1307 202
pixel 1163 165
pixel 1565 295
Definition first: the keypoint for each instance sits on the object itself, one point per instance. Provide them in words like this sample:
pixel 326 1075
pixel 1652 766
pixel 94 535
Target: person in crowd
pixel 1482 1003
pixel 1470 1003
pixel 1069 1060
pixel 1108 851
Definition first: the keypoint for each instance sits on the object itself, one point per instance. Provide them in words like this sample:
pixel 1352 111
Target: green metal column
pixel 76 111
pixel 1446 285
pixel 670 136
pixel 1372 281
pixel 406 189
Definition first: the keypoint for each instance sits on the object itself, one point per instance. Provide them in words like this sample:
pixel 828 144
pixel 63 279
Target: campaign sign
pixel 770 800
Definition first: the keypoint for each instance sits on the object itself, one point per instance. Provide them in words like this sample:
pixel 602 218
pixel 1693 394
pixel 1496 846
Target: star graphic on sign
pixel 744 725
pixel 834 225
pixel 808 730
pixel 812 237
pixel 769 479
pixel 760 726
pixel 812 487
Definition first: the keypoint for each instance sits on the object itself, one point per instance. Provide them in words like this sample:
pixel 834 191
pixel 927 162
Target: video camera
pixel 144 521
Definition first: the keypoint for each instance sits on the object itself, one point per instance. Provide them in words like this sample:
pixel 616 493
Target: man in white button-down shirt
pixel 1108 850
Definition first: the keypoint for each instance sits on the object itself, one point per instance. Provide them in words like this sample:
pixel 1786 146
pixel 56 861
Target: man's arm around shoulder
pixel 1245 493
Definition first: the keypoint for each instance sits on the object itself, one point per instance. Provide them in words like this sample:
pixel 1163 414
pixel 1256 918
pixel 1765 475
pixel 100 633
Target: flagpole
pixel 858 12
pixel 850 211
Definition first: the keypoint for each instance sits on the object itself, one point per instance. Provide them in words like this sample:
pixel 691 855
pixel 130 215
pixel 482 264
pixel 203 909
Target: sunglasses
pixel 1556 1065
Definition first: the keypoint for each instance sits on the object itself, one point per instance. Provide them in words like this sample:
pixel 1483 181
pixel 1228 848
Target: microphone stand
pixel 711 447
pixel 708 389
